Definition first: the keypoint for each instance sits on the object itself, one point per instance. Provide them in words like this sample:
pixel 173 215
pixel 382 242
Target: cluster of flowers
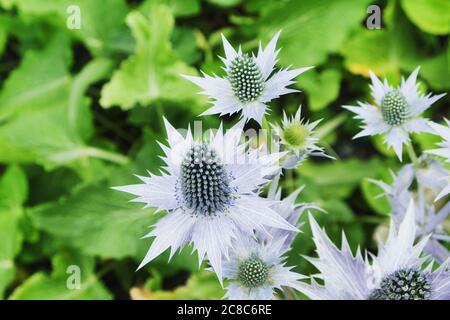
pixel 222 194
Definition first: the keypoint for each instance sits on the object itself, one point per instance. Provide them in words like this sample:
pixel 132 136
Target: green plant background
pixel 80 111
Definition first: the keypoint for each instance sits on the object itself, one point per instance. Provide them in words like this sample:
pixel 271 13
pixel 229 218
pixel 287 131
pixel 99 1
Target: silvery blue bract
pixel 396 111
pixel 209 189
pixel 398 272
pixel 249 84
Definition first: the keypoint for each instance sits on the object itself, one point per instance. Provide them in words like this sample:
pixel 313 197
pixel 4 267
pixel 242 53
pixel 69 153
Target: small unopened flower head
pixel 396 112
pixel 297 137
pixel 249 83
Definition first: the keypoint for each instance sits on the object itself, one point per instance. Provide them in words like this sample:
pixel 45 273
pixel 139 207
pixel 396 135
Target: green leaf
pixel 180 8
pixel 338 179
pixel 338 211
pixel 432 16
pixel 102 27
pixel 99 222
pixel 153 71
pixel 7 4
pixel 225 3
pixel 10 245
pixel 322 88
pixel 381 146
pixel 13 192
pixel 185 45
pixel 184 260
pixel 384 51
pixel 200 286
pixel 4 30
pixel 13 188
pixel 44 115
pixel 373 195
pixel 41 79
pixel 57 286
pixel 363 51
pixel 311 29
pixel 94 71
pixel 41 137
pixel 32 106
pixel 427 141
pixel 436 70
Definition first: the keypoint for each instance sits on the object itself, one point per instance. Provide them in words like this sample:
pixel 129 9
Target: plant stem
pixel 203 43
pixel 290 181
pixel 266 126
pixel 83 152
pixel 96 70
pixel 107 155
pixel 370 219
pixel 411 153
pixel 92 280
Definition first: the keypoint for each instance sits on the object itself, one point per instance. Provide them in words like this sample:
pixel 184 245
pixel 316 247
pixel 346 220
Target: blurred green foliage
pixel 80 111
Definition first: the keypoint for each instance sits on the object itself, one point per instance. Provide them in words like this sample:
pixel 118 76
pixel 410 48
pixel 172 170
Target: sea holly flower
pixel 398 272
pixel 297 137
pixel 396 112
pixel 443 151
pixel 249 83
pixel 209 189
pixel 256 269
pixel 421 183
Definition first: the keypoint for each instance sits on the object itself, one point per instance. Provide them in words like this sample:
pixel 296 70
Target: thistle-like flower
pixel 396 113
pixel 249 83
pixel 421 183
pixel 443 151
pixel 297 137
pixel 398 272
pixel 256 269
pixel 208 189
